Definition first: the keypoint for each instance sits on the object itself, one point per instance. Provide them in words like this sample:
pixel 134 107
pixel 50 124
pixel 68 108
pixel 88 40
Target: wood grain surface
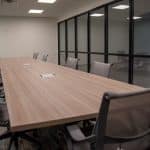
pixel 71 95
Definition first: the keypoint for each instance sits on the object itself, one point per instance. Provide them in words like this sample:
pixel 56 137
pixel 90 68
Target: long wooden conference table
pixel 40 94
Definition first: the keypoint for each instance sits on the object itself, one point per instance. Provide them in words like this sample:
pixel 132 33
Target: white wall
pixel 21 36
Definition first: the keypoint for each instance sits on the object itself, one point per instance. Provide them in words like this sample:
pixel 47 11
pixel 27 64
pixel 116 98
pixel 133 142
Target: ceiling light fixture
pixel 135 18
pixel 121 7
pixel 35 11
pixel 47 1
pixel 96 15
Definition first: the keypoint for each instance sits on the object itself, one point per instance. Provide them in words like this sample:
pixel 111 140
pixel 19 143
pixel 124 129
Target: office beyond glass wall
pixel 117 33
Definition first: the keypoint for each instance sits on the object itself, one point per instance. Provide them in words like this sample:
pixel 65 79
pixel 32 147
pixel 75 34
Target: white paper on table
pixel 27 66
pixel 47 75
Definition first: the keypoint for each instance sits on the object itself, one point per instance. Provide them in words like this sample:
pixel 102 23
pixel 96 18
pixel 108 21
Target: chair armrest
pixel 92 122
pixel 117 139
pixel 78 136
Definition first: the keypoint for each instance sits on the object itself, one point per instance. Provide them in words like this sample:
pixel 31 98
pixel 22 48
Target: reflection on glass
pixel 142 71
pixel 96 57
pixel 119 27
pixel 71 55
pixel 82 64
pixel 62 59
pixel 62 37
pixel 120 67
pixel 142 27
pixel 82 33
pixel 97 30
pixel 71 35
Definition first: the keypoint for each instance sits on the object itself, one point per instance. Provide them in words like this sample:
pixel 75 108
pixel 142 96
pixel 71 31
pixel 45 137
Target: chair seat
pixel 79 140
pixel 4 117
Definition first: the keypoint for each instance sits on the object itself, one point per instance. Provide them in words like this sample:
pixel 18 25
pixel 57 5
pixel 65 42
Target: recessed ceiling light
pixel 97 15
pixel 35 11
pixel 135 18
pixel 47 1
pixel 121 7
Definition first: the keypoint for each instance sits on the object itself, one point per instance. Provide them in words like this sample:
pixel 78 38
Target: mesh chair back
pixel 124 117
pixel 35 55
pixel 101 69
pixel 44 58
pixel 72 62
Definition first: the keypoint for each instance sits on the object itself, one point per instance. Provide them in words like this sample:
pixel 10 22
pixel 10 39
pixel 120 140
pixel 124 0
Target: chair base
pixel 14 139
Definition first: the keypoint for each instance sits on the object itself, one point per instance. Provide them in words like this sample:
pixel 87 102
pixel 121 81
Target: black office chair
pixel 44 58
pixel 35 55
pixel 124 121
pixel 14 136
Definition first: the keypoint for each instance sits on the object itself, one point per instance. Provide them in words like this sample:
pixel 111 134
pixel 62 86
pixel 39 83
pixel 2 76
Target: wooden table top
pixel 71 95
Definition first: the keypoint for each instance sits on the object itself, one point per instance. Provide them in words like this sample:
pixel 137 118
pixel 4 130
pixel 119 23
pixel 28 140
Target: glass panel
pixel 120 67
pixel 82 33
pixel 62 37
pixel 119 27
pixel 71 35
pixel 96 57
pixel 82 64
pixel 142 71
pixel 62 59
pixel 141 27
pixel 97 30
pixel 71 55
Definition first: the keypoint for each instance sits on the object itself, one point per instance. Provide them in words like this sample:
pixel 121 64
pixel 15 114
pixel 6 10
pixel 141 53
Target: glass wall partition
pixel 97 57
pixel 83 61
pixel 71 38
pixel 97 29
pixel 62 43
pixel 97 35
pixel 71 54
pixel 117 32
pixel 62 58
pixel 82 33
pixel 120 67
pixel 71 35
pixel 62 37
pixel 118 42
pixel 142 42
pixel 82 41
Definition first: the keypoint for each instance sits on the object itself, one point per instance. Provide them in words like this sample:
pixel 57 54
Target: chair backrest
pixel 44 58
pixel 72 62
pixel 35 55
pixel 101 69
pixel 123 118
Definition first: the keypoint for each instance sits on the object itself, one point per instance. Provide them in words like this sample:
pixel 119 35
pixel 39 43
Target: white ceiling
pixel 21 7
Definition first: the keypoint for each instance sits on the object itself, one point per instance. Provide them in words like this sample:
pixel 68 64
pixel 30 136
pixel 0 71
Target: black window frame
pixel 106 53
